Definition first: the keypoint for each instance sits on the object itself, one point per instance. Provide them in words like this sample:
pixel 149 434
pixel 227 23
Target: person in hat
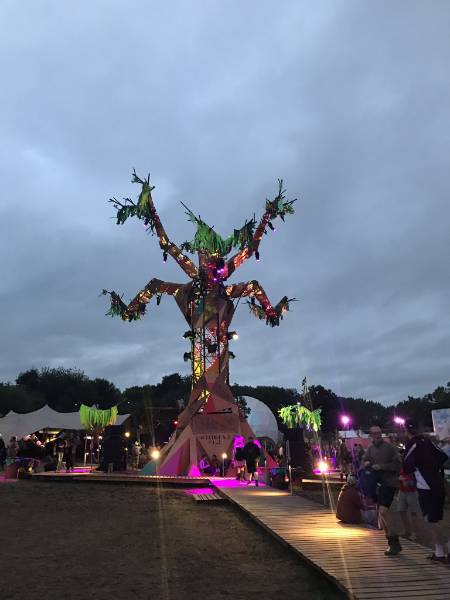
pixel 426 461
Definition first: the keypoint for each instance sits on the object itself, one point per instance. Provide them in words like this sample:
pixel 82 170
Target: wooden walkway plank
pixel 351 556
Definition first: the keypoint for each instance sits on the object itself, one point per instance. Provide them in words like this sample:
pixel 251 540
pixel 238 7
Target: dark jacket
pixel 422 454
pixel 251 452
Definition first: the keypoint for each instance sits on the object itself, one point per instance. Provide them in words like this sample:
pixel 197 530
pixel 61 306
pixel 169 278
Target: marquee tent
pixel 24 424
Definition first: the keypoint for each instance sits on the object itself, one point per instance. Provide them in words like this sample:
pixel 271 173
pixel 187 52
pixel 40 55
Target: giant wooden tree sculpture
pixel 211 419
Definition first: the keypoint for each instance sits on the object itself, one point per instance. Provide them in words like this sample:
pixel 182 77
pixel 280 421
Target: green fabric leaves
pixel 271 319
pixel 297 415
pixel 141 209
pixel 278 207
pixel 94 418
pixel 208 241
pixel 118 308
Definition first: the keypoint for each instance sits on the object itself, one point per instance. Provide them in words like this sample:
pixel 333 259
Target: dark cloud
pixel 347 102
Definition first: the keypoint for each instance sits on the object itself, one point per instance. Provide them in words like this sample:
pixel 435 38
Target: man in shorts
pixel 384 459
pixel 426 461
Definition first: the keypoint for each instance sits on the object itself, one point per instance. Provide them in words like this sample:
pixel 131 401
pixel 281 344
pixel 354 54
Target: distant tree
pixel 106 395
pixel 19 399
pixel 243 407
pixel 273 397
pixel 171 389
pixel 420 409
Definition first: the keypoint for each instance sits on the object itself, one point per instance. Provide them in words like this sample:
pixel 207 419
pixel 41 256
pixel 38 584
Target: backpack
pixel 367 483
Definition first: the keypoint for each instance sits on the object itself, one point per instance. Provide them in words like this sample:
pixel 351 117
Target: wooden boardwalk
pixel 351 556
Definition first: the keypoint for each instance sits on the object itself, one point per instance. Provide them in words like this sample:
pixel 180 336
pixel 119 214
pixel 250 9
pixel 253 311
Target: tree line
pixel 64 390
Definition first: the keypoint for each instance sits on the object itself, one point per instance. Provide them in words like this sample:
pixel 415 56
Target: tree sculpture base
pixel 211 430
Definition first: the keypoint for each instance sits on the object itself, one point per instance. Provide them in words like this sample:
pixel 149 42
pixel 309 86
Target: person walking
pixel 345 460
pixel 60 447
pixel 251 453
pixel 135 452
pixel 426 461
pixel 238 458
pixel 68 453
pixel 384 459
pixel 13 447
pixel 408 506
pixel 2 453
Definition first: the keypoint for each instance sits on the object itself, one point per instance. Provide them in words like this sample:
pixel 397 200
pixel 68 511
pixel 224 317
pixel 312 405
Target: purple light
pixel 399 421
pixel 345 420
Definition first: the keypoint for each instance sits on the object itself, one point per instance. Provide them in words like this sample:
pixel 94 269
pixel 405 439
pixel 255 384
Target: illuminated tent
pixel 44 418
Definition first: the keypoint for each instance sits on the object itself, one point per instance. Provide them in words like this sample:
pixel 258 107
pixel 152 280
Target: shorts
pixel 408 502
pixel 432 505
pixel 385 495
pixel 251 466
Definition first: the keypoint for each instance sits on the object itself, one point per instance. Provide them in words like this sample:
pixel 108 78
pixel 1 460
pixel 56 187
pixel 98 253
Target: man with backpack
pixel 426 461
pixel 384 460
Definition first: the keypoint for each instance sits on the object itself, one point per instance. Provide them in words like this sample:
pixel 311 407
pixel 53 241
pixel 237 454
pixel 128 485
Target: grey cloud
pixel 347 102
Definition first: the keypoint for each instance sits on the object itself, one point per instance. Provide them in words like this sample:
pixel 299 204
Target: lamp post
pixel 155 454
pixel 224 456
pixel 323 468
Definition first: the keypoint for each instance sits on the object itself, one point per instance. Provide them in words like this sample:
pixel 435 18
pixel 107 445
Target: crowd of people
pixel 410 484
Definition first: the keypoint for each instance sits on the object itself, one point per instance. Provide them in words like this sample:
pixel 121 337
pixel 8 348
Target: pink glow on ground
pixel 204 490
pixel 227 482
pixel 4 480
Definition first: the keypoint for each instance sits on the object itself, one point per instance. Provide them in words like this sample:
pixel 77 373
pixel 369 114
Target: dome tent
pixel 261 419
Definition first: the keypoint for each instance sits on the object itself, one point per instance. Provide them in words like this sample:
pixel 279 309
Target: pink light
pixel 194 471
pixel 345 420
pixel 399 421
pixel 204 490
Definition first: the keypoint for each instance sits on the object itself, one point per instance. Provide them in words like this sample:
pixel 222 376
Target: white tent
pixel 261 419
pixel 22 425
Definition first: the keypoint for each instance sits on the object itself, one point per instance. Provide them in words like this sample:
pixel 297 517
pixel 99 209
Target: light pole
pixel 155 454
pixel 323 468
pixel 224 456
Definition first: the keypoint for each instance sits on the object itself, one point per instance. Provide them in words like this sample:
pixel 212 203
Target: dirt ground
pixel 64 541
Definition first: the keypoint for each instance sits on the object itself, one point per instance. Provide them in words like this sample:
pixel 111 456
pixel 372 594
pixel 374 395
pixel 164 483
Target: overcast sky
pixel 348 102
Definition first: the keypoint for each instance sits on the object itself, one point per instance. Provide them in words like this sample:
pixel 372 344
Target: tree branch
pixel 137 307
pixel 277 207
pixel 265 310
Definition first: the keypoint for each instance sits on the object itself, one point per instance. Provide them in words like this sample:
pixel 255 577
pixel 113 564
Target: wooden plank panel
pixel 351 556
